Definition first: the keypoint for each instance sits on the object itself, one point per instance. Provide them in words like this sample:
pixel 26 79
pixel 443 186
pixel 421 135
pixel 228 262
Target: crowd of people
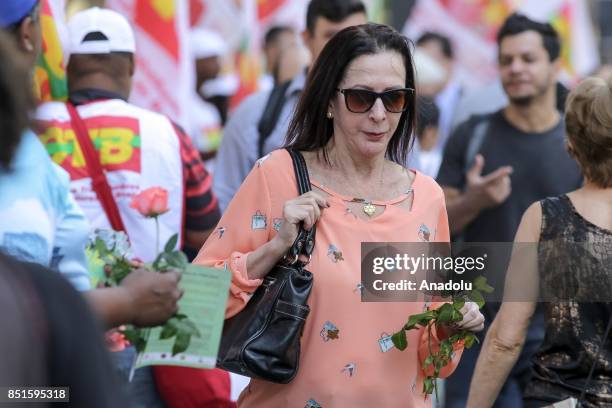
pixel 396 151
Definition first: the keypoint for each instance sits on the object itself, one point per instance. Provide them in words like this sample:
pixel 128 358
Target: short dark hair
pixel 309 128
pixel 332 10
pixel 113 65
pixel 274 32
pixel 428 114
pixel 442 40
pixel 518 23
pixel 16 96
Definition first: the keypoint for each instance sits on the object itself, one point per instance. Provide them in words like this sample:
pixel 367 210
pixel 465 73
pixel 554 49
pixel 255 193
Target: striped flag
pixel 247 61
pixel 50 73
pixel 164 76
pixel 248 68
pixel 267 8
pixel 157 18
pixel 571 19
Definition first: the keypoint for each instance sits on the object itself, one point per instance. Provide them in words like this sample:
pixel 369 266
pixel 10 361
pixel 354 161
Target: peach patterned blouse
pixel 345 360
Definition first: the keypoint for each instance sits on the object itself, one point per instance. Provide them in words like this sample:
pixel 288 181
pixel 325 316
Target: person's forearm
pixel 461 210
pixel 261 261
pixel 111 305
pixel 494 364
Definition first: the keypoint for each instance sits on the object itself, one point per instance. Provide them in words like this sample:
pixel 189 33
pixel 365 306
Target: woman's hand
pixel 473 319
pixel 305 208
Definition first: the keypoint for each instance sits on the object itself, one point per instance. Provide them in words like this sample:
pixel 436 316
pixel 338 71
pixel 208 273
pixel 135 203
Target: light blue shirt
pixel 39 220
pixel 238 151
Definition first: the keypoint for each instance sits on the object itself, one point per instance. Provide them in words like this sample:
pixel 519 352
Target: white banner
pixel 164 78
pixel 472 27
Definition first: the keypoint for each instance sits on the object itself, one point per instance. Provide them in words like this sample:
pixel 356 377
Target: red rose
pixel 115 340
pixel 151 202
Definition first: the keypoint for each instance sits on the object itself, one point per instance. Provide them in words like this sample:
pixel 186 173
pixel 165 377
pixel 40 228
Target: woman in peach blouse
pixel 353 125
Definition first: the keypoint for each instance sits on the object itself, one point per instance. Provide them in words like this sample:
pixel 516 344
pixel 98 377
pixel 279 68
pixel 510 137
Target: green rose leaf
pixel 169 330
pixel 470 339
pixel 100 247
pixel 477 297
pixel 458 303
pixel 136 337
pixel 175 260
pixel 181 343
pixel 171 244
pixel 445 314
pixel 120 270
pixel 480 283
pixel 428 385
pixel 399 340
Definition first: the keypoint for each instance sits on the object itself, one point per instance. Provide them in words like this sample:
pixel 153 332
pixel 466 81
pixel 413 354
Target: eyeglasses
pixel 362 100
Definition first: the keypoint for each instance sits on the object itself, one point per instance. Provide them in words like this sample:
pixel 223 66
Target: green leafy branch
pixel 117 267
pixel 446 315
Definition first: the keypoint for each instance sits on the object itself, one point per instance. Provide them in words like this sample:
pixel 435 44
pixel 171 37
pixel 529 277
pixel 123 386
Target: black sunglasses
pixel 361 100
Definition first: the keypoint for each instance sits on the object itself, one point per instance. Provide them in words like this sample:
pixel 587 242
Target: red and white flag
pixel 164 78
pixel 473 24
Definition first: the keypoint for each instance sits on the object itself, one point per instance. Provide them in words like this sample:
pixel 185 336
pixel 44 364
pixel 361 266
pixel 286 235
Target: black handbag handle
pixel 304 242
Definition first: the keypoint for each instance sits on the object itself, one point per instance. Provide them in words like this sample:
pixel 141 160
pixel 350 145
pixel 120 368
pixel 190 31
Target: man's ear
pixel 26 34
pixel 308 39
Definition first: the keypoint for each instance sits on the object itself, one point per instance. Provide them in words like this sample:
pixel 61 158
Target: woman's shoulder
pixel 277 160
pixel 426 184
pixel 276 168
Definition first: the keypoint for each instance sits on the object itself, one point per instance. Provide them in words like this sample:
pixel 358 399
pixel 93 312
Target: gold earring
pixel 329 115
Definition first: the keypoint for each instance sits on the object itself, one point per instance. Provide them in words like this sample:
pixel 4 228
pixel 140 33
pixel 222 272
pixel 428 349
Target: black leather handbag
pixel 263 340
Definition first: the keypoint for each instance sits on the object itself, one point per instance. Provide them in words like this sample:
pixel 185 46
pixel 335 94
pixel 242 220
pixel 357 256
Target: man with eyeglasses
pixel 259 124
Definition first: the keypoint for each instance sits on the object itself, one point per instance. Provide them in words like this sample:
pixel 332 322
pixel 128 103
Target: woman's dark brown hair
pixel 15 98
pixel 309 128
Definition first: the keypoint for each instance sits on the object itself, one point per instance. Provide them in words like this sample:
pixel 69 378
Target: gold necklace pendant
pixel 369 208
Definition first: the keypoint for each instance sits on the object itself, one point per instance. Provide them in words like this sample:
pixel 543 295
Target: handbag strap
pixel 304 243
pixel 99 183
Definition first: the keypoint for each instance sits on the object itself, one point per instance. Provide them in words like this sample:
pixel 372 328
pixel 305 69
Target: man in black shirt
pixel 496 165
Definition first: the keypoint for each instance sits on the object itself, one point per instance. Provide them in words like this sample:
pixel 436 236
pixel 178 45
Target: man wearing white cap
pixel 204 127
pixel 138 148
pixel 134 149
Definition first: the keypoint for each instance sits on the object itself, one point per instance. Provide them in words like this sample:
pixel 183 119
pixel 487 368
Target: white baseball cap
pixel 206 43
pixel 100 31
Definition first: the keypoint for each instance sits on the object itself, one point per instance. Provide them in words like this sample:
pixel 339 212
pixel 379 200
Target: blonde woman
pixel 574 363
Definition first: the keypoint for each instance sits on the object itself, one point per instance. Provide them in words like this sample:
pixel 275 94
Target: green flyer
pixel 204 301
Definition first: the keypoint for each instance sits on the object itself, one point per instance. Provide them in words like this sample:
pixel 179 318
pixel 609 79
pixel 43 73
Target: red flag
pixel 266 8
pixel 157 19
pixel 248 68
pixel 50 73
pixel 197 8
